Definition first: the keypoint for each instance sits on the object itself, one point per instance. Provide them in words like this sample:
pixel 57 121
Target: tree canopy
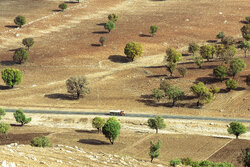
pixel 11 76
pixel 133 50
pixel 156 123
pixel 236 128
pixel 111 129
pixel 77 86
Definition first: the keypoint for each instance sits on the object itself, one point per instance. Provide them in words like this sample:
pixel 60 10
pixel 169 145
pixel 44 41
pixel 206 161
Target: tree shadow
pixel 4 87
pixel 144 35
pixel 16 125
pixel 118 59
pixel 60 96
pixel 100 24
pixel 57 10
pixel 185 54
pixel 240 89
pixel 70 2
pixel 11 26
pixel 13 50
pixel 86 131
pixel 244 22
pixel 7 63
pixel 100 32
pixel 163 66
pixel 93 142
pixel 166 76
pixel 95 45
pixel 207 80
pixel 157 0
pixel 211 41
pixel 186 62
pixel 223 91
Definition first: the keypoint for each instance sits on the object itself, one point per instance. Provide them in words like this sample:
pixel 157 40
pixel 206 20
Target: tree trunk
pixel 237 136
pixel 112 142
pixel 198 103
pixel 78 95
pixel 152 159
pixel 245 53
pixel 98 130
pixel 156 130
pixel 173 104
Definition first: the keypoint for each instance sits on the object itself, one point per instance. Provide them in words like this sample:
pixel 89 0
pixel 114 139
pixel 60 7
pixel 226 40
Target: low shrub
pixel 42 141
pixel 175 162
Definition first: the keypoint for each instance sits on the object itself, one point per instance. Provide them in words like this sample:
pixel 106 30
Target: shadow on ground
pixel 11 26
pixel 93 142
pixel 118 59
pixel 87 131
pixel 100 32
pixel 60 96
pixel 144 35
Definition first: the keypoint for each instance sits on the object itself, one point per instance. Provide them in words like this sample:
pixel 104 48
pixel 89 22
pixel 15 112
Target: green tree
pixel 20 117
pixel 42 141
pixel 213 50
pixel 171 67
pixel 11 76
pixel 63 6
pixel 98 123
pixel 153 29
pixel 236 128
pixel 4 128
pixel 77 86
pixel 156 123
pixel 202 92
pixel 206 52
pixel 111 129
pixel 158 94
pixel 248 19
pixel 214 89
pixel 2 113
pixel 173 56
pixel 228 41
pixel 164 85
pixel 113 17
pixel 220 72
pixel 20 56
pixel 231 84
pixel 236 66
pixel 110 25
pixel 175 162
pixel 102 40
pixel 182 71
pixel 193 48
pixel 154 150
pixel 28 42
pixel 20 21
pixel 227 54
pixel 244 157
pixel 245 46
pixel 174 93
pixel 133 50
pixel 220 35
pixel 198 60
pixel 219 49
pixel 245 30
pixel 186 161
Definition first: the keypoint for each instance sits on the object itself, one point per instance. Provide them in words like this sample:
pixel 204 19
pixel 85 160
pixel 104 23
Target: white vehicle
pixel 117 112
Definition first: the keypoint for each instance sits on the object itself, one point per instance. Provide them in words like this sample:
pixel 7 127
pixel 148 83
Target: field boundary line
pixel 219 149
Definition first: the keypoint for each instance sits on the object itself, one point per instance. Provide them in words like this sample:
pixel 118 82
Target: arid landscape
pixel 67 44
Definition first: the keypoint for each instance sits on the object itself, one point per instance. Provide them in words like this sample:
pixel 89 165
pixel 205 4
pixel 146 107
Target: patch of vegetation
pixel 21 118
pixel 42 141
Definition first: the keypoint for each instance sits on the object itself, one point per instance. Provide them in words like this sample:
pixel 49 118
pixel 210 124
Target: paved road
pixel 132 115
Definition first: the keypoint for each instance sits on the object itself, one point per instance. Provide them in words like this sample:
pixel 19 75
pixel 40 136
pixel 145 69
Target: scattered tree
pixel 109 26
pixel 133 50
pixel 227 54
pixel 2 113
pixel 219 49
pixel 20 117
pixel 220 35
pixel 20 56
pixel 154 150
pixel 198 60
pixel 113 17
pixel 171 67
pixel 228 41
pixel 245 46
pixel 203 94
pixel 98 123
pixel 186 161
pixel 244 157
pixel 248 19
pixel 174 93
pixel 28 42
pixel 236 66
pixel 11 76
pixel 20 21
pixel 77 86
pixel 111 129
pixel 63 6
pixel 182 71
pixel 173 56
pixel 236 128
pixel 42 141
pixel 214 90
pixel 175 162
pixel 231 84
pixel 220 72
pixel 158 94
pixel 193 48
pixel 164 85
pixel 206 52
pixel 153 29
pixel 102 40
pixel 5 128
pixel 245 30
pixel 156 123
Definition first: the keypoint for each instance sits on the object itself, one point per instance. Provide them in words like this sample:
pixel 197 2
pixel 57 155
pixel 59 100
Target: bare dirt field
pixel 65 45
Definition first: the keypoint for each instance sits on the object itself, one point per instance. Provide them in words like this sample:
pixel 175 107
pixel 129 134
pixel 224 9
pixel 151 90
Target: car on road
pixel 117 112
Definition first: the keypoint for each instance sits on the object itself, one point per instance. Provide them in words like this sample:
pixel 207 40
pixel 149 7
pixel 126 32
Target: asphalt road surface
pixel 132 115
